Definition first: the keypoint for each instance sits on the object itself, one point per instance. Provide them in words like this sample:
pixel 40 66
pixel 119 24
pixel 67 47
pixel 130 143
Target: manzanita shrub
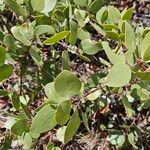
pixel 48 46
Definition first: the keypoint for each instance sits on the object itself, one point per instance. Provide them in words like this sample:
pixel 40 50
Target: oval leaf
pixel 119 76
pixel 67 84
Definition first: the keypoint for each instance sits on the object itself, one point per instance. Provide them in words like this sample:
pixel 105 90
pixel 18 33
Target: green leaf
pixel 131 139
pixel 43 121
pixel 146 56
pixel 72 127
pixel 5 72
pixel 19 127
pixel 10 42
pixel 67 84
pixel 85 121
pixel 27 140
pixel 145 45
pixel 112 56
pixel 102 15
pixel 15 101
pixel 80 2
pixel 26 111
pixel 38 5
pixel 36 56
pixel 127 14
pixel 60 133
pixel 113 15
pixel 90 47
pixel 65 60
pixel 42 29
pixel 3 92
pixel 15 7
pixel 56 38
pixel 63 112
pixel 128 108
pixel 129 37
pixel 82 34
pixel 113 35
pixel 110 26
pixel 52 95
pixel 16 33
pixel 95 6
pixel 143 75
pixel 49 5
pixel 2 55
pixel 73 32
pixel 119 75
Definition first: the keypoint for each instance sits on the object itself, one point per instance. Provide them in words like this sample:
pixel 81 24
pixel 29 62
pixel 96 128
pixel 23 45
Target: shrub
pixel 75 64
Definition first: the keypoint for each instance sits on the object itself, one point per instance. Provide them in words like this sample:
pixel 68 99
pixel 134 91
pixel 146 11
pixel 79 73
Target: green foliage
pixel 77 68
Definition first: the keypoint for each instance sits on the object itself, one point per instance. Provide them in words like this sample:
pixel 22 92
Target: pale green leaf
pixel 129 37
pixel 43 121
pixel 119 75
pixel 90 47
pixel 67 84
pixel 52 95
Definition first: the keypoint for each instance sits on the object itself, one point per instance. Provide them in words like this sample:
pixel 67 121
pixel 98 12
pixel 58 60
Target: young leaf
pixel 119 75
pixel 63 112
pixel 67 84
pixel 72 127
pixel 73 32
pixel 15 7
pixel 56 38
pixel 127 14
pixel 113 35
pixel 43 121
pixel 5 72
pixel 2 55
pixel 90 47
